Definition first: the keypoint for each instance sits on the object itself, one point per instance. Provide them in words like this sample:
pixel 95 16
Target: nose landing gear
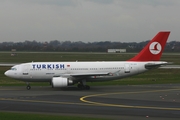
pixel 28 86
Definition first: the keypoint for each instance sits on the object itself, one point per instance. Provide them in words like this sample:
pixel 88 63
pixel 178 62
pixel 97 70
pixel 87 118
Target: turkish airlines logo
pixel 155 48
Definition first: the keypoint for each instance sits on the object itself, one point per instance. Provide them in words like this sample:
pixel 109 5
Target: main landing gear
pixel 82 85
pixel 28 86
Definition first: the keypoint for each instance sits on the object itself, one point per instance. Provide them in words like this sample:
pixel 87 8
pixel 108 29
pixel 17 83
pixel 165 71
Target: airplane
pixel 63 74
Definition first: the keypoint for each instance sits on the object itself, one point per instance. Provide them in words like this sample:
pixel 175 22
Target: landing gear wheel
pixel 83 87
pixel 87 87
pixel 28 87
pixel 80 86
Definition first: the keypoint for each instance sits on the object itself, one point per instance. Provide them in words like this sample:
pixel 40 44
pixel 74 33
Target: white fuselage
pixel 91 71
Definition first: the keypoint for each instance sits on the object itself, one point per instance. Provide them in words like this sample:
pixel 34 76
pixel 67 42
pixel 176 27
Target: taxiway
pixel 111 102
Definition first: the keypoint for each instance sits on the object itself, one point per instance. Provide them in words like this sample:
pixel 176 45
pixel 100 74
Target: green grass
pixel 29 57
pixel 157 76
pixel 30 116
pixel 73 56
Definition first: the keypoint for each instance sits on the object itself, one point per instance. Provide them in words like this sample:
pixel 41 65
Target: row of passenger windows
pixel 97 68
pixel 114 68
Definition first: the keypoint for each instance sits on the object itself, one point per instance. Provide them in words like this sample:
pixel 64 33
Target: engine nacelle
pixel 61 82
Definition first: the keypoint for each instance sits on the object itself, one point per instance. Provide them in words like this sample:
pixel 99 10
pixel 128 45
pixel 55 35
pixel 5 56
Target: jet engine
pixel 61 82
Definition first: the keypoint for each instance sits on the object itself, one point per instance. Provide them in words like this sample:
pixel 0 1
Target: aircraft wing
pixel 86 74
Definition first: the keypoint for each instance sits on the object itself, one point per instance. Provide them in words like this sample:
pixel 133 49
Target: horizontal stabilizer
pixel 155 65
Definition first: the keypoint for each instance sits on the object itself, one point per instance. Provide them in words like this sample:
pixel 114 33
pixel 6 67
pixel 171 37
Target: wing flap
pixel 89 74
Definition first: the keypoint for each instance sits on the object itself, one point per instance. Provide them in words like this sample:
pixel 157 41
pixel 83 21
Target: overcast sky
pixel 88 20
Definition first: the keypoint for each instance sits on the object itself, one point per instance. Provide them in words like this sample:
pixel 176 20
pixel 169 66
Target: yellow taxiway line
pixel 83 99
pixel 92 103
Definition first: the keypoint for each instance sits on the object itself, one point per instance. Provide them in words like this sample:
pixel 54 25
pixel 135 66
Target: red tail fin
pixel 153 50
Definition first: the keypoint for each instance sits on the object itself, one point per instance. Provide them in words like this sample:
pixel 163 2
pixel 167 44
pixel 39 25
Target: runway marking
pixel 5 89
pixel 91 103
pixel 40 101
pixel 127 106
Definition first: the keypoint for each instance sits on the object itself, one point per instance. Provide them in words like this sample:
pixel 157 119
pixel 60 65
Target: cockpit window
pixel 13 69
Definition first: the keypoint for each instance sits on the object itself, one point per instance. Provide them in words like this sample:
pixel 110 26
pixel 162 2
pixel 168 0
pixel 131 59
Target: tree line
pixel 69 46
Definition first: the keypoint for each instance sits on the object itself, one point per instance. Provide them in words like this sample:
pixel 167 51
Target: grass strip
pixel 31 116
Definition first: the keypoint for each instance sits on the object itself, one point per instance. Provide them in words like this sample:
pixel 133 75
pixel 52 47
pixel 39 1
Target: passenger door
pixel 26 71
pixel 127 68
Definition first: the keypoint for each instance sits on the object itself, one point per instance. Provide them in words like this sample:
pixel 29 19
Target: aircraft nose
pixel 6 73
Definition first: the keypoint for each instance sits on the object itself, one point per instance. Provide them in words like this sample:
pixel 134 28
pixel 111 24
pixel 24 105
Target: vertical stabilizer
pixel 153 50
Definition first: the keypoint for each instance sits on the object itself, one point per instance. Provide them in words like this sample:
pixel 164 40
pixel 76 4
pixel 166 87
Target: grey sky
pixel 88 20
